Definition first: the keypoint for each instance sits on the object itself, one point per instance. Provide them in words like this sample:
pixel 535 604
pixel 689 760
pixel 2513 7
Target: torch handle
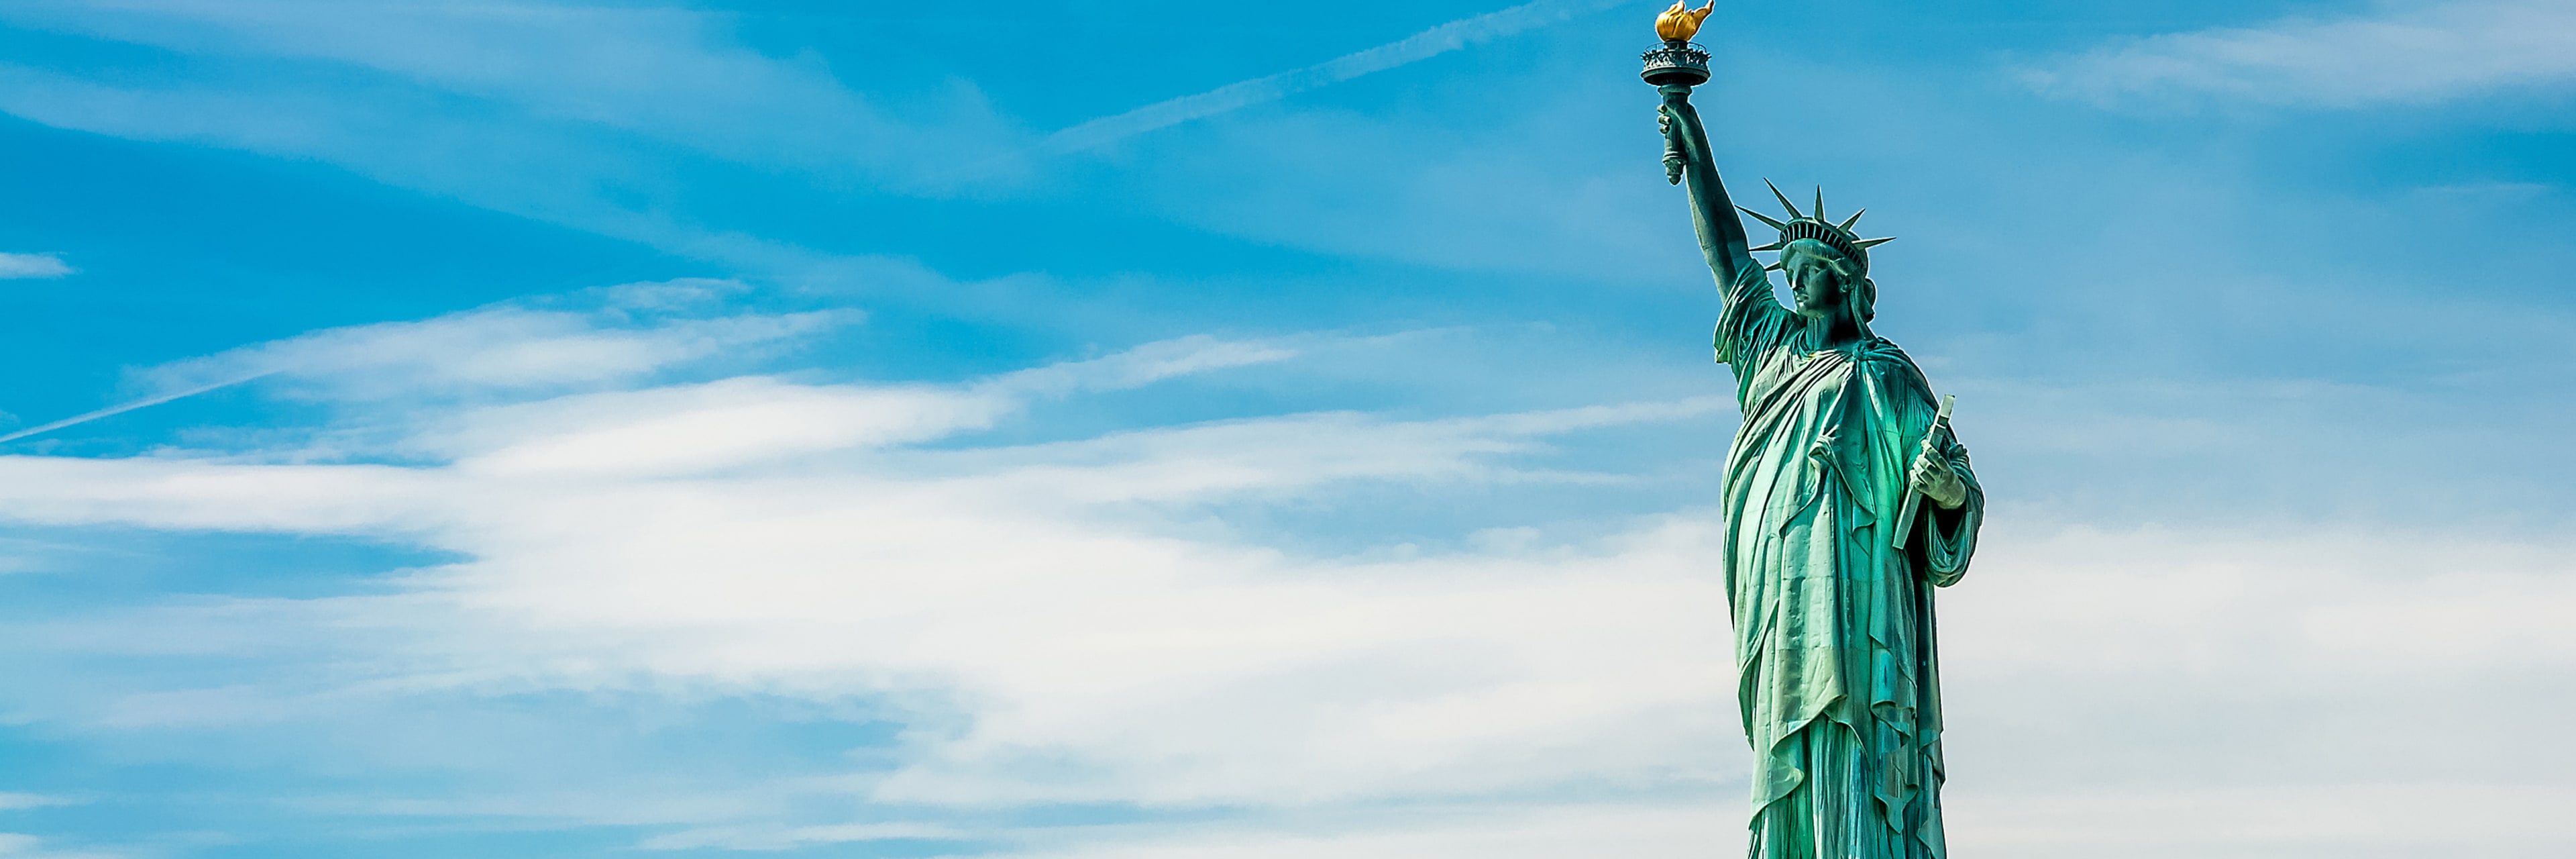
pixel 1674 160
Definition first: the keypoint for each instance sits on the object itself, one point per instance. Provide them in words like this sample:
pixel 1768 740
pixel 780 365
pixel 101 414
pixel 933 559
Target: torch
pixel 1674 67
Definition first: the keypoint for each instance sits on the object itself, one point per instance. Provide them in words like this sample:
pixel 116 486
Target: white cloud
pixel 2407 53
pixel 1018 578
pixel 700 427
pixel 507 347
pixel 21 846
pixel 32 265
pixel 500 349
pixel 745 838
pixel 2359 819
pixel 1646 830
pixel 19 801
pixel 1075 622
pixel 1143 365
pixel 1171 669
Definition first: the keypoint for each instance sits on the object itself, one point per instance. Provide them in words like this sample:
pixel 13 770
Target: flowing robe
pixel 1833 626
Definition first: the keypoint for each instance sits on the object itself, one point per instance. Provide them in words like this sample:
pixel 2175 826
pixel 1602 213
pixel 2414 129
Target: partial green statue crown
pixel 1813 226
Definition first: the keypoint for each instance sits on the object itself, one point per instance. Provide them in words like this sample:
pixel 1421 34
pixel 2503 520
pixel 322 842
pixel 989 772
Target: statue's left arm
pixel 1947 533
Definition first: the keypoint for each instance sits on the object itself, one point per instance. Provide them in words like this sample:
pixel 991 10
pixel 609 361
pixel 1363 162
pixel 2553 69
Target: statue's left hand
pixel 1932 476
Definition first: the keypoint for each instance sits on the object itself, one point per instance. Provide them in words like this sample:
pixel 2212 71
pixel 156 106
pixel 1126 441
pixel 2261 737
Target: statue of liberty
pixel 1831 554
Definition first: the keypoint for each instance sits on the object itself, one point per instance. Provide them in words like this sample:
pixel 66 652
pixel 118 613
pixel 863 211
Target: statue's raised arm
pixel 1687 162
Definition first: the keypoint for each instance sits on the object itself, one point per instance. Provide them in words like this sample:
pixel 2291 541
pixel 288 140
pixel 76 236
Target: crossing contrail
pixel 1419 46
pixel 122 408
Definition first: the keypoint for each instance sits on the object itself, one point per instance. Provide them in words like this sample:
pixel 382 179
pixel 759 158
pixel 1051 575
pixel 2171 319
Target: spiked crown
pixel 1812 225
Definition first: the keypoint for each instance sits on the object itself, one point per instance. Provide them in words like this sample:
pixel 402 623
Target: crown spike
pixel 1769 247
pixel 1784 200
pixel 1870 242
pixel 1777 266
pixel 1854 219
pixel 1820 203
pixel 1767 219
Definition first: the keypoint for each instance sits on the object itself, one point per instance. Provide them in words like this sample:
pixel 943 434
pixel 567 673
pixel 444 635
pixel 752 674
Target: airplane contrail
pixel 1419 46
pixel 122 408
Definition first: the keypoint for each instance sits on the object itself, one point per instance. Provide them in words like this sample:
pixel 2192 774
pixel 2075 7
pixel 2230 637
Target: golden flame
pixel 1680 23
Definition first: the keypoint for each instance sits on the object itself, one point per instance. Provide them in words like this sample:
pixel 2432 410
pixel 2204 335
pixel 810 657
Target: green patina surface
pixel 1830 564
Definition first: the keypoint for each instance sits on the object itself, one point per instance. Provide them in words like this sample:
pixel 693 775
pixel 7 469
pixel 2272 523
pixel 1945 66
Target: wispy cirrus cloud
pixel 668 74
pixel 14 845
pixel 604 119
pixel 2409 53
pixel 595 117
pixel 11 801
pixel 613 335
pixel 33 266
pixel 617 334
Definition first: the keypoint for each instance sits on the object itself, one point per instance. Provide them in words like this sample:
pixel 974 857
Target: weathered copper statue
pixel 1830 574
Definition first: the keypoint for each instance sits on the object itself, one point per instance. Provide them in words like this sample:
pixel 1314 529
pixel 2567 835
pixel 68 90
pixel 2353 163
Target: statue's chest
pixel 1817 429
pixel 1810 394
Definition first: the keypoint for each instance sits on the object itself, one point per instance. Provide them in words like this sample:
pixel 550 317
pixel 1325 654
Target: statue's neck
pixel 1834 332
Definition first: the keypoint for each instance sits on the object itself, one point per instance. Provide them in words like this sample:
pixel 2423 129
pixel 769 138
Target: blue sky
pixel 1071 430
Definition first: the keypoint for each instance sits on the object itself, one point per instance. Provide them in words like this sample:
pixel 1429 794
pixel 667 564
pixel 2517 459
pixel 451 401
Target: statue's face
pixel 1813 283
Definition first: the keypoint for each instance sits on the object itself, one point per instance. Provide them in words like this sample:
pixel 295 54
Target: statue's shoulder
pixel 1883 358
pixel 1882 349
